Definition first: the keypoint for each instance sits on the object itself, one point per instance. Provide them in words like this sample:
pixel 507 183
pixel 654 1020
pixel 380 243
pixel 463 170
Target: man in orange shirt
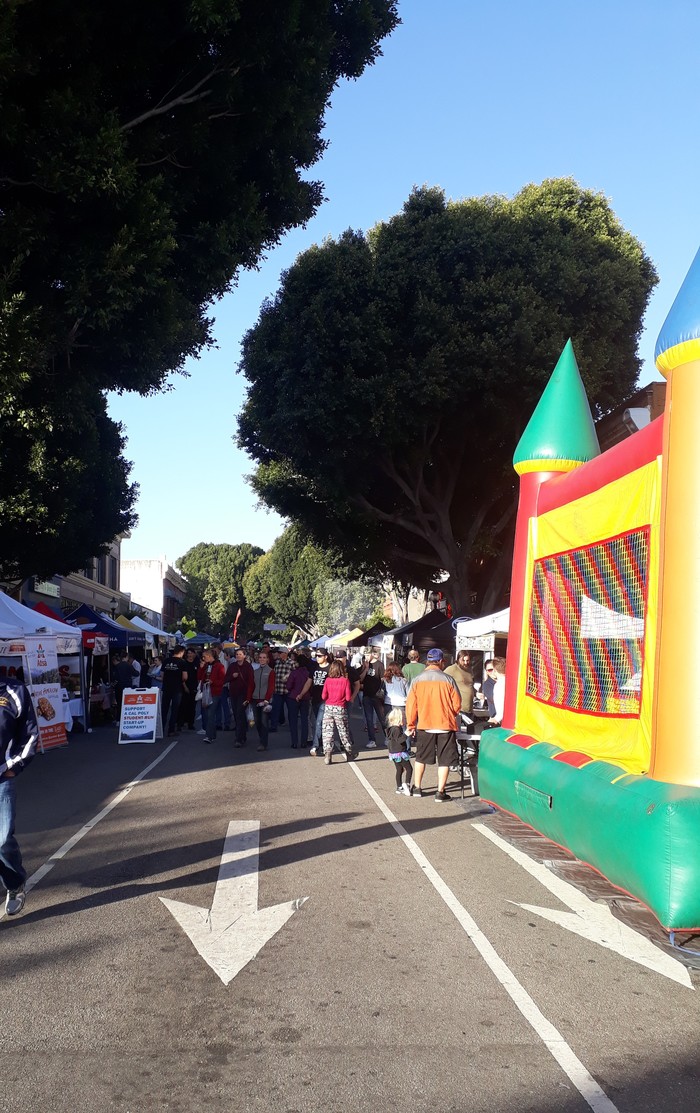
pixel 433 703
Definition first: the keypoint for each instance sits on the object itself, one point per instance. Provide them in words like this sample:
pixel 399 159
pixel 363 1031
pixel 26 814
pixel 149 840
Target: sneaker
pixel 416 791
pixel 261 748
pixel 440 797
pixel 349 755
pixel 313 751
pixel 202 732
pixel 14 901
pixel 399 791
pixel 209 741
pixel 239 745
pixel 371 745
pixel 328 759
pixel 406 790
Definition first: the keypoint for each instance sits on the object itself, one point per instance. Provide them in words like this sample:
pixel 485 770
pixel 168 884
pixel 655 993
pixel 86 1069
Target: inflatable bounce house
pixel 599 749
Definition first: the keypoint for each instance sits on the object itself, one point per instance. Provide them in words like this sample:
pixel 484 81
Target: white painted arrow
pixel 234 930
pixel 590 919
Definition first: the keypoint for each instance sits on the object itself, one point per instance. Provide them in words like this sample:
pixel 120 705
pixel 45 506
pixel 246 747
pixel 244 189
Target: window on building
pixel 102 570
pixel 88 571
pixel 114 573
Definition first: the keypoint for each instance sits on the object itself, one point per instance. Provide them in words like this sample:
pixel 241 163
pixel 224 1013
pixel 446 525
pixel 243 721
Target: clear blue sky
pixel 477 99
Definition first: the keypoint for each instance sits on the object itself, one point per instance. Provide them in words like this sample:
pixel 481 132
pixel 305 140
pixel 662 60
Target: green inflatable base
pixel 643 835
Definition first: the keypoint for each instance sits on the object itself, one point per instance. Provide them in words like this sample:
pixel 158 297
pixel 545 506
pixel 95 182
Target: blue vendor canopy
pixel 119 636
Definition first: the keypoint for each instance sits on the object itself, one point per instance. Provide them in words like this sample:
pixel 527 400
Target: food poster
pixel 43 679
pixel 69 675
pixel 140 716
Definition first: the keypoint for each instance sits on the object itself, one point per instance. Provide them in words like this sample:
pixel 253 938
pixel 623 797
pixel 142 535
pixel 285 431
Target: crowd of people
pixel 414 705
pixel 403 706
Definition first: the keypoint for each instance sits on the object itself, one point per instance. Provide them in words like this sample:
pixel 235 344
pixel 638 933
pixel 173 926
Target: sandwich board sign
pixel 140 719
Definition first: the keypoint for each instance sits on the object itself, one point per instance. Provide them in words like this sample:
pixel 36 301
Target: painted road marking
pixel 590 919
pixel 234 930
pixel 49 864
pixel 555 1043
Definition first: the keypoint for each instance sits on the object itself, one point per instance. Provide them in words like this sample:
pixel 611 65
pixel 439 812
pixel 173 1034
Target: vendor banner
pixel 140 715
pixel 43 681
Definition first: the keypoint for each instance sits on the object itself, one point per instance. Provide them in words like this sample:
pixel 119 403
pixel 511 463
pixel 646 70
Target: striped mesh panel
pixel 586 644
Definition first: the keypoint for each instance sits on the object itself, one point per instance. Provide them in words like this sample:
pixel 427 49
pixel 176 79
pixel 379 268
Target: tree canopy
pixel 215 575
pixel 297 583
pixel 392 375
pixel 281 584
pixel 146 155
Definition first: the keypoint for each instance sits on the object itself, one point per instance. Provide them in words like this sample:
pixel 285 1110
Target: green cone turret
pixel 560 435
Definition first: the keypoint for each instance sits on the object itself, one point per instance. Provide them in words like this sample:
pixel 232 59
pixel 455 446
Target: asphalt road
pixel 372 997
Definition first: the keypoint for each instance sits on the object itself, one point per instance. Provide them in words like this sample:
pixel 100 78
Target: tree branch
pixel 190 97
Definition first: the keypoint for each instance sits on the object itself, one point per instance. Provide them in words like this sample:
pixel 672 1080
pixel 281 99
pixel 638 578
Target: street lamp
pixel 113 606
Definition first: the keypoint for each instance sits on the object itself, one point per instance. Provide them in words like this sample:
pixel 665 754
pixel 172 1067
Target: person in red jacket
pixel 336 696
pixel 211 677
pixel 240 680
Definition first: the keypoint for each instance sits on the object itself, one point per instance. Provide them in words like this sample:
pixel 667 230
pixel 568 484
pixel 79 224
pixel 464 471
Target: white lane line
pixel 591 920
pixel 553 1040
pixel 49 864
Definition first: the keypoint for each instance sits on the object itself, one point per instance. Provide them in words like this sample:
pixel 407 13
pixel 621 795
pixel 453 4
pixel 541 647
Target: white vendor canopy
pixel 154 631
pixel 483 627
pixel 25 620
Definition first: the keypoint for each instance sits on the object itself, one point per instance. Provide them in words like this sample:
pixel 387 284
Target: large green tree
pixel 281 585
pixel 147 153
pixel 343 605
pixel 215 575
pixel 393 373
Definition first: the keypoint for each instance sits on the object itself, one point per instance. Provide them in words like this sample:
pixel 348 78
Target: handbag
pixel 198 693
pixel 206 694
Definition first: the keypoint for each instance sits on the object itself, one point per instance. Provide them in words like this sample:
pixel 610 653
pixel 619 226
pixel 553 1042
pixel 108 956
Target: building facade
pixel 157 586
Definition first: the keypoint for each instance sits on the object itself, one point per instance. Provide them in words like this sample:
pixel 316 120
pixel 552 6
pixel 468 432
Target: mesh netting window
pixel 586 645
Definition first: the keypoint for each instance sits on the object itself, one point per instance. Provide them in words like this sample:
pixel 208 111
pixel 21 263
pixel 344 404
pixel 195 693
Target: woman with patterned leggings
pixel 336 696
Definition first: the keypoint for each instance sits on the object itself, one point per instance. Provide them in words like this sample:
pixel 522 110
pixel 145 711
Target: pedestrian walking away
pixel 336 695
pixel 433 704
pixel 18 739
pixel 174 684
pixel 398 746
pixel 188 705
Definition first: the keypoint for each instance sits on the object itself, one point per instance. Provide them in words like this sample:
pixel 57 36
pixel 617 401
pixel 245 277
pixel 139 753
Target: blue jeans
pixel 209 717
pixel 12 872
pixel 277 712
pixel 370 704
pixel 318 712
pixel 295 711
pixel 223 715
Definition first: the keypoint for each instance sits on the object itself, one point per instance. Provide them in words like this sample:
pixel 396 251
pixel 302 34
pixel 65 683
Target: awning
pixel 344 638
pixel 365 636
pixel 496 623
pixel 119 636
pixel 29 621
pixel 155 631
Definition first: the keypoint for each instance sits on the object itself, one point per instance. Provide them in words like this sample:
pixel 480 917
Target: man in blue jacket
pixel 18 738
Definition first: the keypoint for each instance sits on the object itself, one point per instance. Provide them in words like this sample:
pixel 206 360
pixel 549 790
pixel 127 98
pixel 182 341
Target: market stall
pixel 29 653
